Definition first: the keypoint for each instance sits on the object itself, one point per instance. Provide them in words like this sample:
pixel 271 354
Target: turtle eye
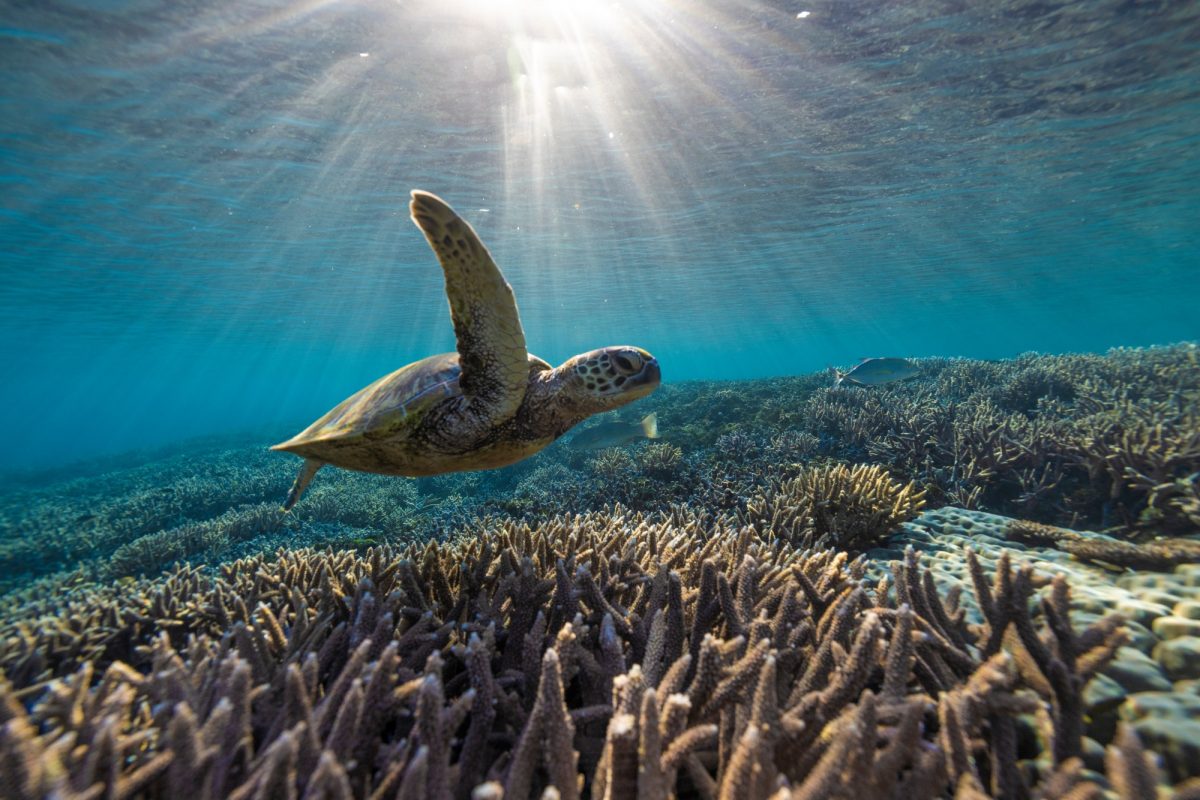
pixel 624 363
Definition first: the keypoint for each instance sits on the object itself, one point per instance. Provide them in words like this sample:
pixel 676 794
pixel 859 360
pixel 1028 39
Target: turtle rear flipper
pixel 307 470
pixel 487 327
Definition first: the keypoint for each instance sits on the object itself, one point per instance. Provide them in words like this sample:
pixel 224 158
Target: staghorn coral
pixel 650 477
pixel 1038 533
pixel 361 500
pixel 1100 441
pixel 1057 664
pixel 750 668
pixel 67 522
pixel 204 505
pixel 150 552
pixel 792 445
pixel 613 464
pixel 660 460
pixel 1142 456
pixel 548 489
pixel 604 655
pixel 1076 439
pixel 1159 554
pixel 737 447
pixel 849 508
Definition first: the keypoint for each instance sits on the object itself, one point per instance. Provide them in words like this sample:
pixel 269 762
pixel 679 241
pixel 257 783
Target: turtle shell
pixel 387 407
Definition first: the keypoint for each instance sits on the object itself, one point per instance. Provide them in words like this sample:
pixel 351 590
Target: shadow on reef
pixel 602 655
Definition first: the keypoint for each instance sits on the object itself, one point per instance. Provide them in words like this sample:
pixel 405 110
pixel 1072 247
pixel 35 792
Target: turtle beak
pixel 650 372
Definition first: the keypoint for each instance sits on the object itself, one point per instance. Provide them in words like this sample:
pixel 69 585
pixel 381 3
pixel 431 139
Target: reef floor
pixel 979 583
pixel 1153 682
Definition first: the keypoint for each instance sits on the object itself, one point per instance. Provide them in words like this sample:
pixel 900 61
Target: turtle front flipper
pixel 491 343
pixel 307 470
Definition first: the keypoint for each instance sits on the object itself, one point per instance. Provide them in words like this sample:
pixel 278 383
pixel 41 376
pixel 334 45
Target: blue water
pixel 203 225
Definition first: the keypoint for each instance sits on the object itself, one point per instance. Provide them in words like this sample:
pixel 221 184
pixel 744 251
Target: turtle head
pixel 608 378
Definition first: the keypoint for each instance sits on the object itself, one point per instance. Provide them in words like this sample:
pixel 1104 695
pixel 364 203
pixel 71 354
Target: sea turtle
pixel 490 404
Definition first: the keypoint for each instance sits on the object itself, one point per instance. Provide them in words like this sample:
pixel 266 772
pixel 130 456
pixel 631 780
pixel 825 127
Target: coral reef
pixel 847 508
pixel 514 634
pixel 1108 442
pixel 201 506
pixel 1158 554
pixel 605 655
pixel 148 553
pixel 1150 684
pixel 660 460
pixel 45 529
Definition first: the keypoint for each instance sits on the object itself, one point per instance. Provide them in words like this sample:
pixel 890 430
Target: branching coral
pixel 791 446
pixel 1143 455
pixel 151 552
pixel 618 654
pixel 613 464
pixel 1102 441
pixel 660 460
pixel 605 655
pixel 50 528
pixel 1056 664
pixel 1106 440
pixel 849 508
pixel 202 505
pixel 1159 554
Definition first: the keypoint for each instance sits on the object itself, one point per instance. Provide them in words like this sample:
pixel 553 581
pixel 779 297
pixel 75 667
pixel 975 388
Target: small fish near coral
pixel 876 372
pixel 490 404
pixel 616 434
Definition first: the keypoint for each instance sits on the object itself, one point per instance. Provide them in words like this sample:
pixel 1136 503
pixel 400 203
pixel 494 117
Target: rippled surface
pixel 204 223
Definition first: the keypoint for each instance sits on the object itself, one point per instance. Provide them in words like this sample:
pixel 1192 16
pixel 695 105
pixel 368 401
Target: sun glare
pixel 572 66
pixel 562 116
pixel 594 90
pixel 546 15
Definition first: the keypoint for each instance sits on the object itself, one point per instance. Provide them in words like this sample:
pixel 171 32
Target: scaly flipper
pixel 491 343
pixel 307 470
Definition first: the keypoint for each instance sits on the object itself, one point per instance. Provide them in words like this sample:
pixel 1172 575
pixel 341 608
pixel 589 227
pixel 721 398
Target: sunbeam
pixel 740 186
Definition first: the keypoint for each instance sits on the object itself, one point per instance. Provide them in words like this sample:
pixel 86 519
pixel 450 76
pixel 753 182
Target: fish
pixel 616 434
pixel 876 371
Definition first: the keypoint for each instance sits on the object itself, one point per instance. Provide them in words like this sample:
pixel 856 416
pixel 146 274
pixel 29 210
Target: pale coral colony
pixel 978 583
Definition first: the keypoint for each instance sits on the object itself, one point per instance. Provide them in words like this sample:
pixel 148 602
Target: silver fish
pixel 616 434
pixel 876 371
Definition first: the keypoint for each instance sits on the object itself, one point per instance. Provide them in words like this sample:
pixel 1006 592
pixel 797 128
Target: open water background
pixel 203 225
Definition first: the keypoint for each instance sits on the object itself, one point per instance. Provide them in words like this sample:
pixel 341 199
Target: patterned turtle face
pixel 610 377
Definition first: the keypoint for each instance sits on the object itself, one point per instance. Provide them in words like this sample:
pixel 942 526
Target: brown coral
pixel 1110 441
pixel 150 553
pixel 848 508
pixel 1158 554
pixel 660 460
pixel 606 655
